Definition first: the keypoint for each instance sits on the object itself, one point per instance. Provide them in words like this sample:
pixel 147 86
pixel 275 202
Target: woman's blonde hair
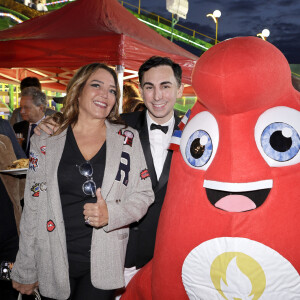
pixel 74 89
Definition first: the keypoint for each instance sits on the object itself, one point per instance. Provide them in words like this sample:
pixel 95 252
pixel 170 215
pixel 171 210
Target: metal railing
pixel 163 20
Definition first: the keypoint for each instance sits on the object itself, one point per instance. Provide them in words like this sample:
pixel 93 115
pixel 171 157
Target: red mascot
pixel 230 224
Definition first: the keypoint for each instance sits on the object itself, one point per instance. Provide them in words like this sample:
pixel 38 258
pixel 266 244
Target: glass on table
pixel 20 138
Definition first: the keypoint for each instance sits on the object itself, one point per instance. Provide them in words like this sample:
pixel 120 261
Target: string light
pixel 11 16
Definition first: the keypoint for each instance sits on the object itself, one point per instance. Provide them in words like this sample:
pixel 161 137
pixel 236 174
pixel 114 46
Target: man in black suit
pixel 160 86
pixel 33 104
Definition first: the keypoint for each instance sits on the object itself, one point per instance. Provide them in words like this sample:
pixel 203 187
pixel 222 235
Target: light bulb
pixel 217 13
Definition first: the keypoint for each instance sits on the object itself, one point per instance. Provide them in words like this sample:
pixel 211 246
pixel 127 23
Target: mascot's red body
pixel 229 227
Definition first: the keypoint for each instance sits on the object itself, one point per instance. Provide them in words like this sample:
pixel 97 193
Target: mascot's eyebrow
pixel 175 140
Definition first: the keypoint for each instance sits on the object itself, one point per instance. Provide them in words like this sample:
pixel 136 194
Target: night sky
pixel 241 18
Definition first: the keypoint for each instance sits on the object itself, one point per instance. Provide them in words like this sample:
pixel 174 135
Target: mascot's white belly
pixel 239 269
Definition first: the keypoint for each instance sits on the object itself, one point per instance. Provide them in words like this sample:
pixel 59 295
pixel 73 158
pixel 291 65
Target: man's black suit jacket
pixel 142 235
pixel 22 127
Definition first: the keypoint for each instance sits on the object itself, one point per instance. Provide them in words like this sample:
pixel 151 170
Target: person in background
pixel 130 91
pixel 27 3
pixel 11 193
pixel 33 104
pixel 140 106
pixel 131 97
pixel 133 104
pixel 40 6
pixel 34 4
pixel 85 185
pixel 6 129
pixel 27 82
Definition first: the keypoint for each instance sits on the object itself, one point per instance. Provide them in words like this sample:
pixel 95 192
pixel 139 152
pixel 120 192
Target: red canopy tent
pixel 52 46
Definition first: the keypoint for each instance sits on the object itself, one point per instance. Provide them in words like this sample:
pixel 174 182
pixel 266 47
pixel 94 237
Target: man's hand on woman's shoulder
pixel 48 125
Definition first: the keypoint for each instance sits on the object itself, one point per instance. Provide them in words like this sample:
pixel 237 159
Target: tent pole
pixel 120 73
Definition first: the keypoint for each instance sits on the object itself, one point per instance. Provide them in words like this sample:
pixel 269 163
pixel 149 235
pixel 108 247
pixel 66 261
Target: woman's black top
pixel 70 182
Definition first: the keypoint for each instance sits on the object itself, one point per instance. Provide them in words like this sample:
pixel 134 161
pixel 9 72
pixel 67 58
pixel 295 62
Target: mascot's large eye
pixel 280 141
pixel 199 148
pixel 199 141
pixel 277 136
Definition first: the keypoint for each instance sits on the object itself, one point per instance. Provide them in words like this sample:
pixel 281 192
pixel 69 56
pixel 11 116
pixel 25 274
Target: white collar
pixel 39 121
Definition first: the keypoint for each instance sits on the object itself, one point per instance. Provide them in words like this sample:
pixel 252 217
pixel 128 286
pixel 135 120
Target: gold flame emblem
pixel 237 276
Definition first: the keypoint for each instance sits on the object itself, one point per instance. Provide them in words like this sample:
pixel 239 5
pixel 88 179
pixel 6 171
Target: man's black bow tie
pixel 164 129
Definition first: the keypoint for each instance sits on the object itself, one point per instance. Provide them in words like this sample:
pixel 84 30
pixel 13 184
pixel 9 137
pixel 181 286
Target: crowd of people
pixel 100 179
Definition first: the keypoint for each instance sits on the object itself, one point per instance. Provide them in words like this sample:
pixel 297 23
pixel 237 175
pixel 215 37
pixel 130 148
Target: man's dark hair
pixel 30 81
pixel 156 61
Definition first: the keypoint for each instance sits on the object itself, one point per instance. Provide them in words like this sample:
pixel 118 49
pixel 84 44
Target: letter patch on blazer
pixel 124 168
pixel 33 161
pixel 145 174
pixel 128 136
pixel 43 150
pixel 50 226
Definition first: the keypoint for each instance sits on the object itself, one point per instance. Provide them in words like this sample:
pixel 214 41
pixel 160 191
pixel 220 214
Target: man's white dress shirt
pixel 159 143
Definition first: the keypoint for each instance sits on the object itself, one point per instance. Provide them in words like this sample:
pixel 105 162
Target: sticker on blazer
pixel 144 174
pixel 124 168
pixel 37 188
pixel 43 150
pixel 128 136
pixel 33 161
pixel 50 226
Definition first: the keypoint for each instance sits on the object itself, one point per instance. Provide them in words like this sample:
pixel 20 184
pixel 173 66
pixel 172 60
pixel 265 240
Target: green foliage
pixel 6 22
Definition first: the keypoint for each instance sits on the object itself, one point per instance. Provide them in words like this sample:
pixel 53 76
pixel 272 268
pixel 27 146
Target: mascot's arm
pixel 139 287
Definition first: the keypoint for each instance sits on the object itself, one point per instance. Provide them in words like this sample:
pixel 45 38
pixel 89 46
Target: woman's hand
pixel 25 289
pixel 96 214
